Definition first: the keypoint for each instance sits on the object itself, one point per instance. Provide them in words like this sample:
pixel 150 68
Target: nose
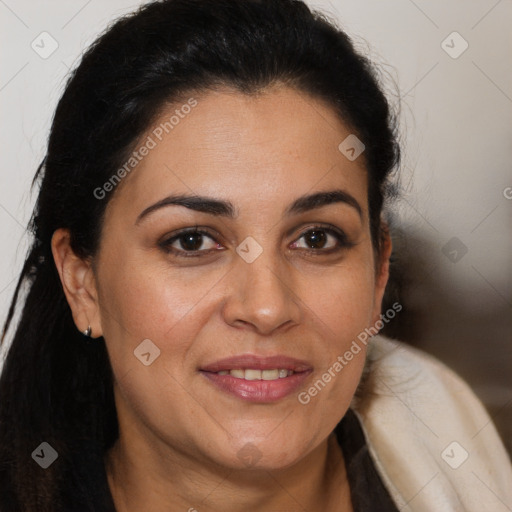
pixel 261 295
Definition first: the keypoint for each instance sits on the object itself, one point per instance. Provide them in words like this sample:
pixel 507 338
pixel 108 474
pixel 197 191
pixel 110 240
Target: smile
pixel 253 374
pixel 262 379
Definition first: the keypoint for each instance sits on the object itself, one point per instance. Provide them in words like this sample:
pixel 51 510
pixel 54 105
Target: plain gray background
pixel 454 218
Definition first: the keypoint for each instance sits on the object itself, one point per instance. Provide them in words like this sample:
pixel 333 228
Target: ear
pixel 381 270
pixel 78 283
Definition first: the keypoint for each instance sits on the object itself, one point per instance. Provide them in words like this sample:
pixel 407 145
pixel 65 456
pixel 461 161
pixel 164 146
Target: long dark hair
pixel 56 384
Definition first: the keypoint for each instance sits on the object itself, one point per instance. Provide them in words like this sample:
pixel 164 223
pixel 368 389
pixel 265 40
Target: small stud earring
pixel 87 332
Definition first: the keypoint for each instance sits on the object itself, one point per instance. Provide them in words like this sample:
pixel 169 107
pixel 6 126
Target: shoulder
pixel 430 436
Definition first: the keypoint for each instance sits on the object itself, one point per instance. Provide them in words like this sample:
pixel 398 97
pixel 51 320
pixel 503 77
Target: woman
pixel 206 282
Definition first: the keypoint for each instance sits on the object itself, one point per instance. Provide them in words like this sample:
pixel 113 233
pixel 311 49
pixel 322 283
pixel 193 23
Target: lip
pixel 260 391
pixel 257 363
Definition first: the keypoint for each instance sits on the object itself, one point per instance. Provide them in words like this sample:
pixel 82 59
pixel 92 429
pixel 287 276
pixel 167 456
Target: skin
pixel 179 435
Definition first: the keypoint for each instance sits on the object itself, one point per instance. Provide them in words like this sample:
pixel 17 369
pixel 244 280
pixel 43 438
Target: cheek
pixel 344 299
pixel 344 309
pixel 142 302
pixel 161 313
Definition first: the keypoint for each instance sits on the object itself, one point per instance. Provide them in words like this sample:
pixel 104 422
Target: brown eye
pixel 315 239
pixel 321 239
pixel 192 242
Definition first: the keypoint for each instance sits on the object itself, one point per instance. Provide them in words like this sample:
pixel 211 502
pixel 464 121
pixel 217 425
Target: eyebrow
pixel 223 208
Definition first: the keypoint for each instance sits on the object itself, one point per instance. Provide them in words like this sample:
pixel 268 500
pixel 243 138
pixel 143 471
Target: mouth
pixel 255 374
pixel 257 379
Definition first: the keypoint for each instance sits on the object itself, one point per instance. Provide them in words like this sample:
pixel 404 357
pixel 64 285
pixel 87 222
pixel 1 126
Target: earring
pixel 87 332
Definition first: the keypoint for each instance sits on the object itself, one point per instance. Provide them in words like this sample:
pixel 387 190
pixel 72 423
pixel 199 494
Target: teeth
pixel 252 374
pixel 270 374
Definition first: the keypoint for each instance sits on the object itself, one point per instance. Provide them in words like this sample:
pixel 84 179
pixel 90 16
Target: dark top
pixel 367 490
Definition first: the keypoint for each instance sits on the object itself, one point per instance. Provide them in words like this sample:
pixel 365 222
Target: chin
pixel 260 454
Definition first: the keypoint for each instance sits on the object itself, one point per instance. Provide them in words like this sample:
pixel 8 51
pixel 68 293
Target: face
pixel 256 281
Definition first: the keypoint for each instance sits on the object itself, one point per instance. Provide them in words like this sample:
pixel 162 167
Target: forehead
pixel 261 148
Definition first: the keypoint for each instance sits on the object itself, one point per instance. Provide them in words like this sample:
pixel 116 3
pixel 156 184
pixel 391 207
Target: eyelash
pixel 341 238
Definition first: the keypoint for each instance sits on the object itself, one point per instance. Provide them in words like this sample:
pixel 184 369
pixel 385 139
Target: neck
pixel 142 478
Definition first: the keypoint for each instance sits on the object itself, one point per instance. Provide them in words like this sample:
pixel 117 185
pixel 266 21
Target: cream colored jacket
pixel 430 437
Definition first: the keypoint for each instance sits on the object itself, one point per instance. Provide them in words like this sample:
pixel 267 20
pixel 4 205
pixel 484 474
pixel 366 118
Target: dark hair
pixel 56 385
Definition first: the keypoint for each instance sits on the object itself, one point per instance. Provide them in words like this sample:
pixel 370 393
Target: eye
pixel 323 240
pixel 190 243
